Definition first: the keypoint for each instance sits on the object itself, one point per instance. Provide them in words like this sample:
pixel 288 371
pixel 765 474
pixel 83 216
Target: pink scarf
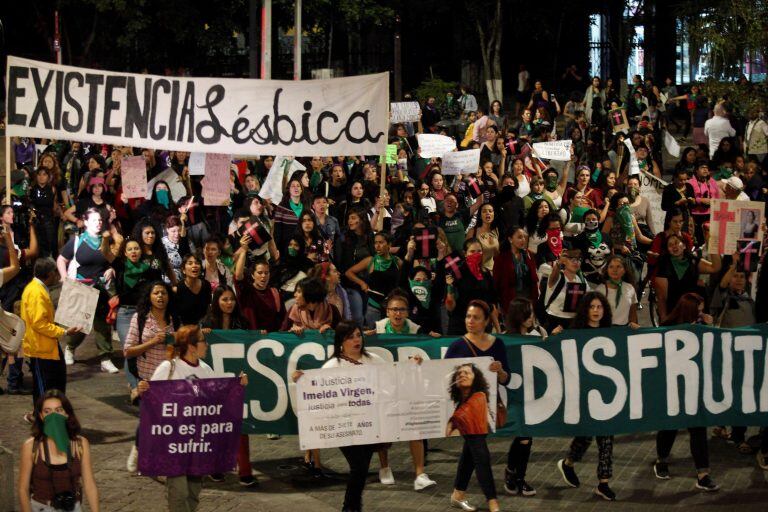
pixel 323 314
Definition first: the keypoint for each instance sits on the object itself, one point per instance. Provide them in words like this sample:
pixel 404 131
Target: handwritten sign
pixel 134 174
pixel 559 150
pixel 77 305
pixel 216 183
pixel 435 146
pixel 196 164
pixel 391 156
pixel 282 167
pixel 671 145
pixel 634 165
pixel 404 112
pixel 461 162
pixel 731 221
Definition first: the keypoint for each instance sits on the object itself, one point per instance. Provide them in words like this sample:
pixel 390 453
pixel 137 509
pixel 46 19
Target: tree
pixel 489 22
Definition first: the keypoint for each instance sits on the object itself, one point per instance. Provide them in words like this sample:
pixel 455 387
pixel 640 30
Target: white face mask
pixel 591 225
pixel 402 162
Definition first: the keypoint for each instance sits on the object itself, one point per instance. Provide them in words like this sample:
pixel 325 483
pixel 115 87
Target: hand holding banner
pixel 559 150
pixel 461 162
pixel 133 170
pixel 434 146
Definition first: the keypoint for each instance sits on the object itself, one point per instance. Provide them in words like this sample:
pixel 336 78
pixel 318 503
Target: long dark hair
pixel 215 316
pixel 73 425
pixel 520 310
pixel 479 384
pixel 581 320
pixel 158 248
pixel 686 310
pixel 345 330
pixel 144 304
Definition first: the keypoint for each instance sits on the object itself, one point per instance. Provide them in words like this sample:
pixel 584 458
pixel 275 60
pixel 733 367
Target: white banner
pixel 391 402
pixel 196 164
pixel 461 162
pixel 651 188
pixel 554 150
pixel 77 305
pixel 435 146
pixel 178 190
pixel 404 112
pixel 340 116
pixel 671 145
pixel 282 168
pixel 634 165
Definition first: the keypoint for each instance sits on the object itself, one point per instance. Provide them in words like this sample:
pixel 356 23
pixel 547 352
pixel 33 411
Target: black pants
pixel 359 460
pixel 518 455
pixel 699 449
pixel 47 236
pixel 475 457
pixel 48 374
pixel 579 447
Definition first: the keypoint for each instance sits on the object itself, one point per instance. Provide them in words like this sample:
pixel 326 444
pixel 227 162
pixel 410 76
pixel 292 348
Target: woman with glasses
pixel 565 288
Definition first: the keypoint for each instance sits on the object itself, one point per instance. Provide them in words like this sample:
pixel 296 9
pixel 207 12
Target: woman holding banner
pixel 689 310
pixel 471 416
pixel 348 351
pixel 593 312
pixel 188 350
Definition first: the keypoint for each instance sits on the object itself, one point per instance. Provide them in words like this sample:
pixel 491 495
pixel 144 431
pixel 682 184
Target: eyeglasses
pixel 398 310
pixel 575 259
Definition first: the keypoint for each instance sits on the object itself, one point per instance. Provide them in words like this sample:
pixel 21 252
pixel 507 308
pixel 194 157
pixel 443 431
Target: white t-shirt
pixel 522 80
pixel 343 363
pixel 556 306
pixel 716 129
pixel 626 301
pixel 523 186
pixel 183 370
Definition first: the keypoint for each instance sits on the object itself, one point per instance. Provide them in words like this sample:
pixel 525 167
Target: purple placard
pixel 190 427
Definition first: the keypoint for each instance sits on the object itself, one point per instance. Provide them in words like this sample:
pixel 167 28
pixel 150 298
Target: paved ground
pixel 109 423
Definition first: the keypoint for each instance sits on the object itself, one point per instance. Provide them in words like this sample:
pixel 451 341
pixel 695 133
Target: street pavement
pixel 109 422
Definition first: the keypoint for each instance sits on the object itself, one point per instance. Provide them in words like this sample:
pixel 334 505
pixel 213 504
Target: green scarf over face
pixel 624 215
pixel 680 265
pixel 595 237
pixel 422 290
pixel 382 264
pixel 133 272
pixel 55 428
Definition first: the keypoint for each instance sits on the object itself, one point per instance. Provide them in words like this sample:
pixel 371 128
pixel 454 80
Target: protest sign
pixel 196 164
pixel 77 305
pixel 581 382
pixel 434 146
pixel 340 116
pixel 671 145
pixel 559 150
pixel 133 170
pixel 282 168
pixel 404 401
pixel 730 221
pixel 190 427
pixel 217 184
pixel 175 184
pixel 404 112
pixel 461 162
pixel 749 255
pixel 619 121
pixel 634 165
pixel 391 154
pixel 651 188
pixel 12 329
pixel 39 150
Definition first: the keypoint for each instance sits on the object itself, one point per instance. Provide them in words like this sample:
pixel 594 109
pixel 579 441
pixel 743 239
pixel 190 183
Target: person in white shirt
pixel 717 128
pixel 734 189
pixel 756 137
pixel 618 288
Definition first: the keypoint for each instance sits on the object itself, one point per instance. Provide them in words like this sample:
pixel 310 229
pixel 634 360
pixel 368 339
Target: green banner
pixel 582 382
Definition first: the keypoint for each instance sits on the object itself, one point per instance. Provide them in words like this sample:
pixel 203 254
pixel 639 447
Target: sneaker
pixel 108 366
pixel 661 470
pixel 248 481
pixel 706 484
pixel 132 464
pixel 422 482
pixel 69 356
pixel 216 477
pixel 273 437
pixel 605 492
pixel 386 477
pixel 569 474
pixel 523 489
pixel 510 481
pixel 762 460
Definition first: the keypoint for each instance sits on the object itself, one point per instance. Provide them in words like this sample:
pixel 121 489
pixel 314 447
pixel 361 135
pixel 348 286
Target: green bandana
pixel 422 290
pixel 595 237
pixel 723 173
pixel 20 189
pixel 315 180
pixel 55 428
pixel 391 330
pixel 577 214
pixel 94 242
pixel 133 271
pixel 551 183
pixel 292 252
pixel 382 264
pixel 681 266
pixel 618 285
pixel 624 215
pixel 297 208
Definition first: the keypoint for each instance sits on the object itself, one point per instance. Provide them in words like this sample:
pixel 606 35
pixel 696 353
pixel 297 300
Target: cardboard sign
pixel 461 162
pixel 619 121
pixel 77 305
pixel 196 164
pixel 133 171
pixel 731 221
pixel 217 184
pixel 404 112
pixel 435 146
pixel 391 157
pixel 282 168
pixel 559 150
pixel 749 255
pixel 634 165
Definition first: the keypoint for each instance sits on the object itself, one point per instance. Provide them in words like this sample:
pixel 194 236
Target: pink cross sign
pixel 723 215
pixel 426 238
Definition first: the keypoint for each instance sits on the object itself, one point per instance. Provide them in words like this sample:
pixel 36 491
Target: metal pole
pixel 297 44
pixel 398 61
pixel 266 40
pixel 253 48
pixel 56 37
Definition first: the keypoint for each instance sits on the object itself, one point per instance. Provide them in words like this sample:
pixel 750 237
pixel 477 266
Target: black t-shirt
pixel 92 264
pixel 191 308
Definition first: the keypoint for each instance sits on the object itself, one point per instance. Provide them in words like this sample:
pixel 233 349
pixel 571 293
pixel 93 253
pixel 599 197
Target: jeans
pixel 122 324
pixel 699 448
pixel 359 460
pixel 356 305
pixel 579 447
pixel 15 372
pixel 475 457
pixel 101 331
pixel 518 456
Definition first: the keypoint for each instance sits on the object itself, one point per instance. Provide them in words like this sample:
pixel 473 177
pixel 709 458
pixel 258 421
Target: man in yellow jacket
pixel 41 340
